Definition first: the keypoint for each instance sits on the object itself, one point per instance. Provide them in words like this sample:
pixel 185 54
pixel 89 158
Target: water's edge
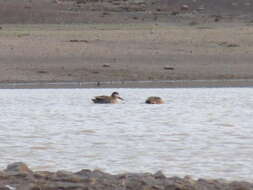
pixel 130 84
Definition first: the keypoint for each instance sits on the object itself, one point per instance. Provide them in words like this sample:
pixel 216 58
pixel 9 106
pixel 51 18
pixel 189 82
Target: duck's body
pixel 113 99
pixel 154 100
pixel 105 100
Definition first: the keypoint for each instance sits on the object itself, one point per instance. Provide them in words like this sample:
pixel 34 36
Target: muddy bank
pixel 101 53
pixel 182 40
pixel 19 176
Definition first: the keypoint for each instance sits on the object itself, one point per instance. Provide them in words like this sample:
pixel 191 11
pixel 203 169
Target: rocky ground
pixel 18 176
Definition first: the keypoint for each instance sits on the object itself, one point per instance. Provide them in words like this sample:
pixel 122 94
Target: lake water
pixel 202 132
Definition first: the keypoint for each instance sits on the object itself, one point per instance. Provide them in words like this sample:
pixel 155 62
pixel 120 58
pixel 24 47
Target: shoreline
pixel 19 176
pixel 226 83
pixel 153 52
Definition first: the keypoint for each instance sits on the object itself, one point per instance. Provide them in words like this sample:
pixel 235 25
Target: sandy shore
pixel 63 43
pixel 219 52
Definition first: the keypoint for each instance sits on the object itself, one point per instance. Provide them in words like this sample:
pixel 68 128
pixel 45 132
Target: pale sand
pixel 45 53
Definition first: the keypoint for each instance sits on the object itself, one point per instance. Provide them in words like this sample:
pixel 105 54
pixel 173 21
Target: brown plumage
pixel 154 100
pixel 113 99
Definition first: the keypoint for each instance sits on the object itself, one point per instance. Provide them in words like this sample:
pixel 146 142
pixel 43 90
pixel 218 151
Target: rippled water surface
pixel 200 132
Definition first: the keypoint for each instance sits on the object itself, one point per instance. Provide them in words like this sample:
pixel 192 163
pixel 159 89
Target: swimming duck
pixel 154 100
pixel 113 99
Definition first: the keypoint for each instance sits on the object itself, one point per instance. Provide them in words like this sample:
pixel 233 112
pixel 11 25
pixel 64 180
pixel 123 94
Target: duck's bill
pixel 120 98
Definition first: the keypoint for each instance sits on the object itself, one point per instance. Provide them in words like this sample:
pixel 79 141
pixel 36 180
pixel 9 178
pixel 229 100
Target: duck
pixel 154 100
pixel 113 99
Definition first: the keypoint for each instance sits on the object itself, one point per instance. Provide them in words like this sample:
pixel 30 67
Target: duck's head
pixel 116 95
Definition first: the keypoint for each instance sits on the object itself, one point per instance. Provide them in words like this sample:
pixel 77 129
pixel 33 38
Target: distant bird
pixel 154 100
pixel 113 99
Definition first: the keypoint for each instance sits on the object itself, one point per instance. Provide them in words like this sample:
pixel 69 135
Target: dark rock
pixel 106 65
pixel 27 7
pixel 19 167
pixel 43 174
pixel 84 172
pixel 233 45
pixel 84 41
pixel 159 175
pixel 67 177
pixel 193 23
pixel 42 72
pixel 216 18
pixel 105 13
pixel 227 44
pixel 168 68
pixel 98 180
pixel 175 13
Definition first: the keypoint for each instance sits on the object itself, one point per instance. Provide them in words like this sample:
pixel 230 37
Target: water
pixel 199 132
